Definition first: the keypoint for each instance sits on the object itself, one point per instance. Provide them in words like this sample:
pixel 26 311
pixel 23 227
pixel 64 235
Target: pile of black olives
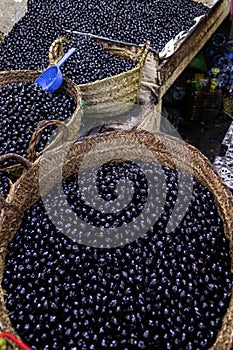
pixel 27 45
pixel 22 107
pixel 159 291
pixel 132 21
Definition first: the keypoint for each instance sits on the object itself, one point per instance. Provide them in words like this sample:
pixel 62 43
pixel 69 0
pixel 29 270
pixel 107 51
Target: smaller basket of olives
pixel 24 106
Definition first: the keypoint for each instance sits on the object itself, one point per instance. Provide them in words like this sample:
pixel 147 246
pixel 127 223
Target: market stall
pixel 113 235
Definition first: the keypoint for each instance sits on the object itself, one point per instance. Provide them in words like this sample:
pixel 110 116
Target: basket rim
pixel 36 72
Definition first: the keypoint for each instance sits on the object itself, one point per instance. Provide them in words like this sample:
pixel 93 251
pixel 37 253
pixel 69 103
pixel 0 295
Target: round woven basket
pixel 114 95
pixel 164 149
pixel 70 129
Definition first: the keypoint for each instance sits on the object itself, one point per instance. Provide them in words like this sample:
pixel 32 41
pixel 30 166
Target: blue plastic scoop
pixel 51 79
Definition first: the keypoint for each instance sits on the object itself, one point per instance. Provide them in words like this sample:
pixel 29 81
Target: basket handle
pixel 56 50
pixel 32 154
pixel 125 53
pixel 19 159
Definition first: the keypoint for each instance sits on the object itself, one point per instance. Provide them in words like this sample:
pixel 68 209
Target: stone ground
pixel 10 12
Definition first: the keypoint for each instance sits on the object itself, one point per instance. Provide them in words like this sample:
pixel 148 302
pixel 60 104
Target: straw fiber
pixel 166 150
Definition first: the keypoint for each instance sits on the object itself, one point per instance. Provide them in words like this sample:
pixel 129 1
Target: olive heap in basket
pixel 159 21
pixel 132 21
pixel 160 291
pixel 22 107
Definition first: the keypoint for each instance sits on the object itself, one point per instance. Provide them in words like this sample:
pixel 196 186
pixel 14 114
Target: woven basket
pixel 114 95
pixel 69 130
pixel 25 190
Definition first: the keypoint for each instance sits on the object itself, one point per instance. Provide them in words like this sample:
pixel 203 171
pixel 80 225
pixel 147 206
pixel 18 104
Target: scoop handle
pixel 66 56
